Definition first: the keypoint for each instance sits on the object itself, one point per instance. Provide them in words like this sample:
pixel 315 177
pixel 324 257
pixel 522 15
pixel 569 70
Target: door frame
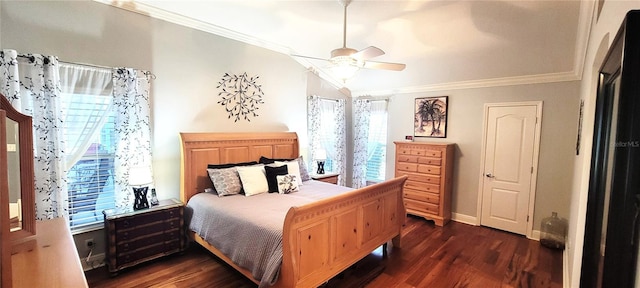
pixel 536 153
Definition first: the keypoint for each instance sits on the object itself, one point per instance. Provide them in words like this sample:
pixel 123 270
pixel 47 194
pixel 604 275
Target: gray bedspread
pixel 248 230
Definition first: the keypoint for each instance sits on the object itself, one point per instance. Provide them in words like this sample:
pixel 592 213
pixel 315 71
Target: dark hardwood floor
pixel 457 255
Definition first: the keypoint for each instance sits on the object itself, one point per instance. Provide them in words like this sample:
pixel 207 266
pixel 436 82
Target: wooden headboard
pixel 200 149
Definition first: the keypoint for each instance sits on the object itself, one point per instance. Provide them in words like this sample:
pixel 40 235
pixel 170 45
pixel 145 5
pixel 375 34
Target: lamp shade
pixel 320 154
pixel 140 175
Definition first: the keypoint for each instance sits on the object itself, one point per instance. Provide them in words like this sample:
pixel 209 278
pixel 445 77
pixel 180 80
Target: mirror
pixel 21 200
pixel 13 175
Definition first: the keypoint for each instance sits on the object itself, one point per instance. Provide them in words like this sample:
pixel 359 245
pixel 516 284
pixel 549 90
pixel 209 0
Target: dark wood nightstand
pixel 326 177
pixel 136 236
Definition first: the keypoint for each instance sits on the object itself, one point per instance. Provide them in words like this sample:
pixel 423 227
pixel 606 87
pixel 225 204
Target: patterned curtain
pixel 132 128
pixel 340 160
pixel 31 82
pixel 361 117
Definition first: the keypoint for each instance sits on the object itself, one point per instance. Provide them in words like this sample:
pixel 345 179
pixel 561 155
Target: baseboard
pixel 535 235
pixel 466 219
pixel 93 262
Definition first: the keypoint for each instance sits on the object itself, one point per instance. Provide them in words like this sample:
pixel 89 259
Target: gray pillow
pixel 226 181
pixel 304 173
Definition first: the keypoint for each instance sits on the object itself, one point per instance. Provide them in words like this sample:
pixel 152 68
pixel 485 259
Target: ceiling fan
pixel 346 61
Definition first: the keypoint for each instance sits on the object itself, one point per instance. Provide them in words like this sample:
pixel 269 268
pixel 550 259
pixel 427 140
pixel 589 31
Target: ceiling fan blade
pixel 383 66
pixel 368 53
pixel 309 57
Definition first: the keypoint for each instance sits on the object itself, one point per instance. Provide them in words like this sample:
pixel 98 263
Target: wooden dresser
pixel 427 192
pixel 134 237
pixel 48 259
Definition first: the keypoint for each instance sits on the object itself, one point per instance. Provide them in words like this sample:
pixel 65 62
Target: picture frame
pixel 430 117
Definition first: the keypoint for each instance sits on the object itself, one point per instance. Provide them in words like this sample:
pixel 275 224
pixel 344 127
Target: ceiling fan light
pixel 344 70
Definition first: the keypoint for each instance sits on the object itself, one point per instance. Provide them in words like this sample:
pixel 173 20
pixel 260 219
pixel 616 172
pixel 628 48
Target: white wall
pixel 465 107
pixel 602 34
pixel 187 63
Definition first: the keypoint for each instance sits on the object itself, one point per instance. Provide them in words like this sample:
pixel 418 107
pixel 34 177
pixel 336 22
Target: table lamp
pixel 140 176
pixel 320 156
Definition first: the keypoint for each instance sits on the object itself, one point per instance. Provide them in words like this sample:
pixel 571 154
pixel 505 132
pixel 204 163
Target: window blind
pixel 89 130
pixel 377 142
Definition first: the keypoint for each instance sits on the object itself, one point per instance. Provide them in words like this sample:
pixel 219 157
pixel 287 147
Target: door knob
pixel 490 176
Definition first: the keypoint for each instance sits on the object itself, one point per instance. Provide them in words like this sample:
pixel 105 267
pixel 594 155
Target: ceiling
pixel 445 44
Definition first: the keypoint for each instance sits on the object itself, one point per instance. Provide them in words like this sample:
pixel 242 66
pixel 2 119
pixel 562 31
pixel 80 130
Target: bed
pixel 319 239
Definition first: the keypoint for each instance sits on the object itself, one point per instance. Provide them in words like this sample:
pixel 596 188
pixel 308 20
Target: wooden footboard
pixel 323 238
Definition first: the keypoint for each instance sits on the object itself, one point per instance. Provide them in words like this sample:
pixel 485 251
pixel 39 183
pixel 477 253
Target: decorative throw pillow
pixel 287 184
pixel 304 172
pixel 254 179
pixel 226 181
pixel 294 169
pixel 272 172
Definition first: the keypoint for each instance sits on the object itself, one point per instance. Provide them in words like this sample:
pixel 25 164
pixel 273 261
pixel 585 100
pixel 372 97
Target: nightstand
pixel 326 177
pixel 137 236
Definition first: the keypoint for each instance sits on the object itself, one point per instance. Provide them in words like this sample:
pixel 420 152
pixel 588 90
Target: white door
pixel 511 141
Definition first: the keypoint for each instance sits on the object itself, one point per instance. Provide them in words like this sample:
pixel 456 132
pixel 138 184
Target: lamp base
pixel 320 167
pixel 140 198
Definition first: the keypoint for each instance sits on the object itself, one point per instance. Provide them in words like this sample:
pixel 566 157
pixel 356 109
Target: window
pixel 377 143
pixel 86 105
pixel 91 179
pixel 328 134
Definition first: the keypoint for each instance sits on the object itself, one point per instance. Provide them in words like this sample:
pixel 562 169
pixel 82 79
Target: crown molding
pixel 157 13
pixel 481 83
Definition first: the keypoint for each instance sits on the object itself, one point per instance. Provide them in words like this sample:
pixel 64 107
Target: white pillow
pixel 294 169
pixel 254 179
pixel 287 184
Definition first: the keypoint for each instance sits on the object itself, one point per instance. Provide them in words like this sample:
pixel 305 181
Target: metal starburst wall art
pixel 241 95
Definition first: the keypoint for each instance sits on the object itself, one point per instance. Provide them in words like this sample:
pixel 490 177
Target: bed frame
pixel 320 239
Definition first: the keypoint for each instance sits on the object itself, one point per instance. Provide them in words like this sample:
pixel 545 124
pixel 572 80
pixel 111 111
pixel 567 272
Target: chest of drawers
pixel 429 167
pixel 134 237
pixel 328 177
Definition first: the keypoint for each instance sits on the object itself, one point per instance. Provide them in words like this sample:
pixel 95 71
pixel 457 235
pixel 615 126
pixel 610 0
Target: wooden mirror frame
pixel 5 242
pixel 27 192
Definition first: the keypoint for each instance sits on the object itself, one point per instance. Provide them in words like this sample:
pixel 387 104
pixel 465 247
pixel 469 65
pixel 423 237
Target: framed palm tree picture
pixel 430 117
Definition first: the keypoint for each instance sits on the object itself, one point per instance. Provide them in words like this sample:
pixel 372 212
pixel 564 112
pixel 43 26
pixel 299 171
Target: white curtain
pixel 133 129
pixel 31 82
pixel 361 116
pixel 86 87
pixel 327 131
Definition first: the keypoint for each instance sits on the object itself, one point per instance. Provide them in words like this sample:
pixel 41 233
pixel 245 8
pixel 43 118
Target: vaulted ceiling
pixel 445 44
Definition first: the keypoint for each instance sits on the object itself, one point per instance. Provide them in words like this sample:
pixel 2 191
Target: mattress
pixel 248 230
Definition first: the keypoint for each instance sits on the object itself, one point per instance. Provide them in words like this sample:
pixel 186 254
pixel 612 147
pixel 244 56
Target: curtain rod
pixel 326 99
pixel 145 72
